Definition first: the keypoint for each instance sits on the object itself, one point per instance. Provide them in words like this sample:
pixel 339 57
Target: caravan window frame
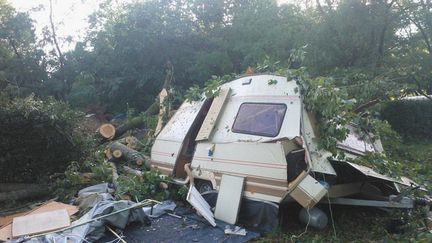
pixel 259 133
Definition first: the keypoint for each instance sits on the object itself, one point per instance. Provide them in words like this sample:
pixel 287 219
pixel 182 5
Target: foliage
pixel 146 143
pixel 39 138
pixel 410 118
pixel 22 65
pixel 382 46
pixel 194 93
pixel 355 224
pixel 331 106
pixel 210 90
pixel 140 188
pixel 66 187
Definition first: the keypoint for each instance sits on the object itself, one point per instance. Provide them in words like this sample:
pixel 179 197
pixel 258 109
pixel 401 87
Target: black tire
pixel 204 186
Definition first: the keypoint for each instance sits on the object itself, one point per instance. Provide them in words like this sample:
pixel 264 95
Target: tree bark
pixel 54 35
pixel 139 120
pixel 129 154
pixel 367 105
pixel 12 191
pixel 130 141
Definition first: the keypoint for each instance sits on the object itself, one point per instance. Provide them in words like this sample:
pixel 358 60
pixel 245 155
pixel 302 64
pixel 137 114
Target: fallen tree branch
pixel 115 175
pixel 139 120
pixel 131 171
pixel 129 154
pixel 367 105
pixel 19 193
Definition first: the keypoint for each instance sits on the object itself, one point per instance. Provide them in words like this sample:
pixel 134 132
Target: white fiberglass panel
pixel 179 125
pixel 261 89
pixel 262 160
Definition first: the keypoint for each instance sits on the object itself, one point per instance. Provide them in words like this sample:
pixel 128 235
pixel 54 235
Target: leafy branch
pixel 211 88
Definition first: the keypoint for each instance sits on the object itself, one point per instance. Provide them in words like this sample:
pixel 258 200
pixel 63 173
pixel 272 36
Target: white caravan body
pixel 257 128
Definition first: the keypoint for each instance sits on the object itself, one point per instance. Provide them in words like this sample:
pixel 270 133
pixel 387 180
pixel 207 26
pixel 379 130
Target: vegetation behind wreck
pixel 358 57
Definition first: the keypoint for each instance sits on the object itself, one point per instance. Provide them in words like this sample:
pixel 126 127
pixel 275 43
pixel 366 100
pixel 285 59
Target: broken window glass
pixel 262 119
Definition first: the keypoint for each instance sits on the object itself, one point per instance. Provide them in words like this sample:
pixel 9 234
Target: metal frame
pixel 404 202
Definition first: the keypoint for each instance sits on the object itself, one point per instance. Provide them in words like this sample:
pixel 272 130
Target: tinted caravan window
pixel 263 119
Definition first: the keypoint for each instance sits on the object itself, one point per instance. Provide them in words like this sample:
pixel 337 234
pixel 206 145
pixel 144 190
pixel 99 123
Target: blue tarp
pixel 189 228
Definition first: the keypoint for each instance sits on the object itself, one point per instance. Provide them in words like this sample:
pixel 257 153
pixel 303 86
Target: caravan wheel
pixel 204 186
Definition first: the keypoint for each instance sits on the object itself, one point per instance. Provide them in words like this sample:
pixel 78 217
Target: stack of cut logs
pixel 123 149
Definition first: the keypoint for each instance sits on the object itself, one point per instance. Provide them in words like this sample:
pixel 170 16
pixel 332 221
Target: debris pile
pixel 97 215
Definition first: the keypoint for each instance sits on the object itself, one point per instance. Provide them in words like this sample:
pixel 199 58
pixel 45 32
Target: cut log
pixel 86 177
pixel 107 131
pixel 117 154
pixel 108 154
pixel 130 141
pixel 163 185
pixel 129 154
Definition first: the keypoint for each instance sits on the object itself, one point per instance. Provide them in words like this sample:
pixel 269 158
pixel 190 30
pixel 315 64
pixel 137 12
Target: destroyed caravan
pixel 257 129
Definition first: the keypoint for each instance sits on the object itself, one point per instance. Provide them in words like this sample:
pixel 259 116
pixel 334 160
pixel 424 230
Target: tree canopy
pixel 376 49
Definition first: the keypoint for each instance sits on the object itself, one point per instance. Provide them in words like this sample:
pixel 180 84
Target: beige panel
pixel 265 160
pixel 39 223
pixel 228 200
pixel 6 230
pixel 309 192
pixel 212 115
pixel 166 151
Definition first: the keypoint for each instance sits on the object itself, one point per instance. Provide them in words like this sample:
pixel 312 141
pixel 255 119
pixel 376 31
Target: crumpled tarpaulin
pixel 96 229
pixel 90 196
pixel 160 209
pixel 259 216
pixel 188 228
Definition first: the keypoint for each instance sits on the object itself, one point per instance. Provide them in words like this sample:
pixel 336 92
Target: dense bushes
pixel 38 138
pixel 410 118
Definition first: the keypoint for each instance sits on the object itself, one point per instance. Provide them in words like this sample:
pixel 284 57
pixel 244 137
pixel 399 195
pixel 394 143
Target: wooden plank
pixel 212 115
pixel 6 230
pixel 162 109
pixel 40 222
pixel 228 200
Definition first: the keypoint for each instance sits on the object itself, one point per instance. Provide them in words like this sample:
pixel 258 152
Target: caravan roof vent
pixel 247 81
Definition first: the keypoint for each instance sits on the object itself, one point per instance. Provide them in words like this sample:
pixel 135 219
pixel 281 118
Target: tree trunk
pixel 11 191
pixel 139 120
pixel 130 141
pixel 129 154
pixel 107 131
